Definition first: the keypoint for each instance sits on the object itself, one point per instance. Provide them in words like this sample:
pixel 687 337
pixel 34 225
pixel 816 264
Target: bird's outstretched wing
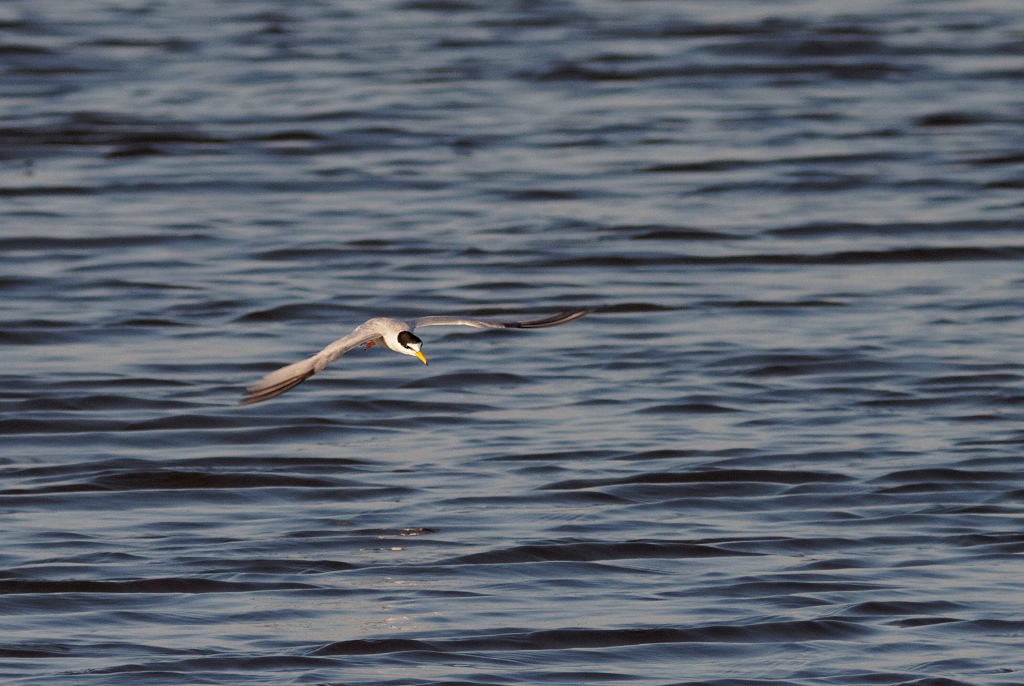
pixel 277 382
pixel 553 320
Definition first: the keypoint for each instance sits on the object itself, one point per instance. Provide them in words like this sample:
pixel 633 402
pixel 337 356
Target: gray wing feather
pixel 553 320
pixel 277 382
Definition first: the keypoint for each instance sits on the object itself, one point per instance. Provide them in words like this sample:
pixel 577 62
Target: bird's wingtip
pixel 563 317
pixel 279 381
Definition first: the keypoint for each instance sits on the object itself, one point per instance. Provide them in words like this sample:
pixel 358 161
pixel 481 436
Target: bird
pixel 392 334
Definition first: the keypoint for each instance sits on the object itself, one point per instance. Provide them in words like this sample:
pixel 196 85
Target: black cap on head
pixel 405 338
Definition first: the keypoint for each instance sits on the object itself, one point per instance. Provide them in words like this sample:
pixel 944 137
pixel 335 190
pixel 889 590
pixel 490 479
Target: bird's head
pixel 409 344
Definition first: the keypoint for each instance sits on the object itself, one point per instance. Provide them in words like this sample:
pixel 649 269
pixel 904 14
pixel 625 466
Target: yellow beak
pixel 420 356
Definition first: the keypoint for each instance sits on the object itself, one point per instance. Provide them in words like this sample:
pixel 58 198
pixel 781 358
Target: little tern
pixel 390 333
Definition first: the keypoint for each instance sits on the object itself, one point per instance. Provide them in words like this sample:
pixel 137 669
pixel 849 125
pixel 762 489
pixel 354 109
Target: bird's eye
pixel 405 338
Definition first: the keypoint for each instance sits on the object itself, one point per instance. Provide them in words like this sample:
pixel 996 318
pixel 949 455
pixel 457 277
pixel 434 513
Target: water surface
pixel 785 448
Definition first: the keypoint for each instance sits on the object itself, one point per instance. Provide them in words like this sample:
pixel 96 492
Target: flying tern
pixel 390 333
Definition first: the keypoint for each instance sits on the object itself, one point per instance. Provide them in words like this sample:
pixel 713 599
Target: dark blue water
pixel 786 448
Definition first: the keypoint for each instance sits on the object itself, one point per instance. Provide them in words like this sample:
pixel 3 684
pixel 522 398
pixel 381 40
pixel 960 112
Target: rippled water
pixel 785 449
